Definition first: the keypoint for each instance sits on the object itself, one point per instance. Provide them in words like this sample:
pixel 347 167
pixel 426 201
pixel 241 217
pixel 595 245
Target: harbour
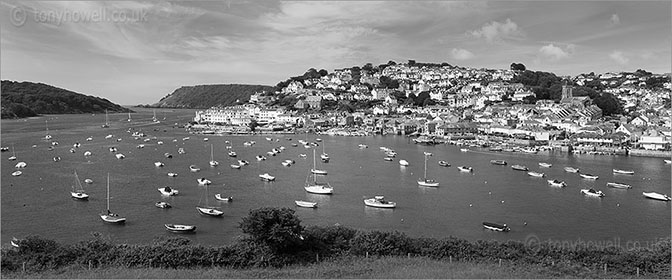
pixel 39 202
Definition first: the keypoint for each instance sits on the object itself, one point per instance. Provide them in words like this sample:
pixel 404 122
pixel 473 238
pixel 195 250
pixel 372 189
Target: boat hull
pixel 180 228
pixel 656 196
pixel 619 185
pixel 427 183
pixel 372 202
pixel 305 204
pixel 496 227
pixel 209 211
pixel 112 219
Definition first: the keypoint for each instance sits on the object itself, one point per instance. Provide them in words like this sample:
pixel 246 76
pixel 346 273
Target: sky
pixel 135 52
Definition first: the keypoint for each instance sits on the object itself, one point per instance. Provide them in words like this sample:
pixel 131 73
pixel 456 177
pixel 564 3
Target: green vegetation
pixel 206 96
pixel 26 99
pixel 278 246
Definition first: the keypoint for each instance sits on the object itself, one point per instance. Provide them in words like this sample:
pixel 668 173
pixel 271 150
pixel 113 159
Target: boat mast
pixel 425 167
pixel 212 157
pixel 108 192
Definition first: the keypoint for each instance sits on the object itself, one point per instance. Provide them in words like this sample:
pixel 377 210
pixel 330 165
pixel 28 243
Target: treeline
pixel 26 99
pixel 276 238
pixel 206 96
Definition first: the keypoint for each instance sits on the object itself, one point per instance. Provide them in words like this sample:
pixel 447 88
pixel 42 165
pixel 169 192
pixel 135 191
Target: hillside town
pixel 441 103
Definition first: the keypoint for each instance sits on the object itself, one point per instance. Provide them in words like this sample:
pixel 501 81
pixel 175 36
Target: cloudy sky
pixel 137 52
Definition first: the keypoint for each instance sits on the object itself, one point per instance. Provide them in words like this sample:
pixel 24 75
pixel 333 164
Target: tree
pixel 609 104
pixel 367 67
pixel 517 67
pixel 411 62
pixel 278 228
pixel 323 72
pixel 391 62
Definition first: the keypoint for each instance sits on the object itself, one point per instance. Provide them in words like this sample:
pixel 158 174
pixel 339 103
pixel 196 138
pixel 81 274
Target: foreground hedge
pixel 320 243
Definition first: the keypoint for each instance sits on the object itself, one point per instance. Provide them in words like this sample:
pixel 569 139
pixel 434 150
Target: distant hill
pixel 206 96
pixel 27 99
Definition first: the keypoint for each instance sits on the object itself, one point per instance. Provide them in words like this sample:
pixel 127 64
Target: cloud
pixel 614 20
pixel 496 31
pixel 461 54
pixel 553 52
pixel 619 57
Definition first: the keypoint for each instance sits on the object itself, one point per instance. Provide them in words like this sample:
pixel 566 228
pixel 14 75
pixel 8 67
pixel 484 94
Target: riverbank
pixel 345 267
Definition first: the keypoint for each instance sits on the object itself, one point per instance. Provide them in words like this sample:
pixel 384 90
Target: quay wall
pixel 649 153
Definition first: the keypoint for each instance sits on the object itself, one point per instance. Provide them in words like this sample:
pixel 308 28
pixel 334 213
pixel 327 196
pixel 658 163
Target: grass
pixel 346 267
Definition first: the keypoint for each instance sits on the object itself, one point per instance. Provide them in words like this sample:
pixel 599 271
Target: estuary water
pixel 38 202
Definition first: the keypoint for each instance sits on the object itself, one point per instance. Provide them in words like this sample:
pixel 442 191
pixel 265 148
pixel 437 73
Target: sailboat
pixel 13 157
pixel 106 125
pixel 154 119
pixel 129 116
pixel 207 210
pixel 78 190
pixel 324 156
pixel 314 170
pixel 108 216
pixel 424 182
pixel 213 162
pixel 314 186
pixel 47 136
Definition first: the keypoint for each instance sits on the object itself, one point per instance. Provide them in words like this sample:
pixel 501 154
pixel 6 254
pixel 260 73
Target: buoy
pixel 470 204
pixel 618 205
pixel 502 201
pixel 525 223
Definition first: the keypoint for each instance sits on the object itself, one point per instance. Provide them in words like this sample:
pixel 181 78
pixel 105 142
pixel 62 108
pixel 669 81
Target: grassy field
pixel 349 267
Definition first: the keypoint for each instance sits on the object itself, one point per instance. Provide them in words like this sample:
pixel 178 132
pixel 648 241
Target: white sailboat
pixel 109 216
pixel 13 157
pixel 129 116
pixel 78 190
pixel 317 187
pixel 154 119
pixel 425 182
pixel 106 125
pixel 314 170
pixel 213 162
pixel 208 210
pixel 47 136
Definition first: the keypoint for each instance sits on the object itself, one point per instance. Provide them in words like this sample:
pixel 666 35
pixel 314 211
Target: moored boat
pixel 588 176
pixel 120 156
pixel 571 169
pixel 17 173
pixel 235 166
pixel 163 205
pixel 519 167
pixel 444 163
pixel 78 190
pixel 626 172
pixel 203 181
pixel 536 174
pixel 194 168
pixel 266 177
pixel 465 169
pixel 379 202
pixel 158 164
pixel 306 204
pixel 592 192
pixel 221 197
pixel 498 162
pixel 168 191
pixel 544 164
pixel 180 228
pixel 619 185
pixel 667 161
pixel 556 183
pixel 403 162
pixel 496 227
pixel 388 159
pixel 464 150
pixel 172 174
pixel 656 196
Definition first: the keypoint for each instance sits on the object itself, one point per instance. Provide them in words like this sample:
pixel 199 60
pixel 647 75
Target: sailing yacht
pixel 154 119
pixel 213 162
pixel 109 216
pixel 314 186
pixel 314 170
pixel 425 182
pixel 47 136
pixel 208 210
pixel 13 157
pixel 78 190
pixel 106 125
pixel 129 117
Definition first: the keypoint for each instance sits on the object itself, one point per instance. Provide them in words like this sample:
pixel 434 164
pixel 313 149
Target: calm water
pixel 38 202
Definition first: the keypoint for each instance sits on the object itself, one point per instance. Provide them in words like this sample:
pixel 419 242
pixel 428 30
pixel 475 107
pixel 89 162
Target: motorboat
pixel 113 149
pixel 496 227
pixel 232 154
pixel 21 164
pixel 444 163
pixel 619 185
pixel 17 173
pixel 87 153
pixel 571 169
pixel 120 156
pixel 592 192
pixel 180 228
pixel 243 162
pixel 498 162
pixel 519 167
pixel 656 196
pixel 168 191
pixel 363 146
pixel 57 159
pixel 158 164
pixel 626 172
pixel 529 150
pixel 203 181
pixel 220 197
pixel 536 174
pixel 667 161
pixel 260 157
pixel 403 162
pixel 172 174
pixel 162 205
pixel 88 181
pixel 588 176
pixel 388 159
pixel 181 151
pixel 306 204
pixel 465 169
pixel 379 202
pixel 15 242
pixel 209 211
pixel 140 146
pixel 194 168
pixel 544 164
pixel 287 163
pixel 235 166
pixel 266 177
pixel 556 183
pixel 464 150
